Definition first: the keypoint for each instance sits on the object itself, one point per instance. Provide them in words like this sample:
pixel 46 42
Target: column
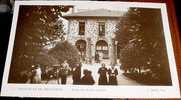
pixel 116 51
pixel 113 57
pixel 89 51
pixel 93 46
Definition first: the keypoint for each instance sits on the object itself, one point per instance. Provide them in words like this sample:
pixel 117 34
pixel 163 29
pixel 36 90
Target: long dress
pixel 64 70
pixel 76 75
pixel 37 76
pixel 97 58
pixel 103 76
pixel 113 72
pixel 87 79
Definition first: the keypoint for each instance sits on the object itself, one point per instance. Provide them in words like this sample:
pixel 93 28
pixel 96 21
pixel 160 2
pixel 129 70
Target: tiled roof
pixel 95 13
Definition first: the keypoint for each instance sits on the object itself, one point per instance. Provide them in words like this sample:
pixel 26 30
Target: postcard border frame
pixel 153 91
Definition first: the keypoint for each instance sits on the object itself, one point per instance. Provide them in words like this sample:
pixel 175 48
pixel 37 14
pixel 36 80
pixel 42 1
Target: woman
pixel 37 74
pixel 64 71
pixel 102 75
pixel 113 72
pixel 87 79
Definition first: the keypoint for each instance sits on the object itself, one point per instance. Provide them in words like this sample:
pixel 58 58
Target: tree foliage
pixel 142 45
pixel 65 51
pixel 37 28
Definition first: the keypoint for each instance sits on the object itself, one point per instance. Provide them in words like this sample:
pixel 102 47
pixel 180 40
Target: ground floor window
pixel 102 49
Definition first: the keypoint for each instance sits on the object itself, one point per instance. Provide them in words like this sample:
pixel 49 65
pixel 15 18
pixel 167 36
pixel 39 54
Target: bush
pixel 143 54
pixel 65 51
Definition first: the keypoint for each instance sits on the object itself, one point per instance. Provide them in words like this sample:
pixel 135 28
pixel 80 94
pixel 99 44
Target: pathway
pixel 122 80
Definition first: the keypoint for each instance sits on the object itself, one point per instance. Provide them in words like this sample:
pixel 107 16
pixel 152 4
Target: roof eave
pixel 85 17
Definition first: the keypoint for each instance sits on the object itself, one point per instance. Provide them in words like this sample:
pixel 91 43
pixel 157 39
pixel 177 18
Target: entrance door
pixel 102 49
pixel 81 46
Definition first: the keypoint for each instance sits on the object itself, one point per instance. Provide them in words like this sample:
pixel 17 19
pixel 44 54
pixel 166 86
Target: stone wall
pixel 92 31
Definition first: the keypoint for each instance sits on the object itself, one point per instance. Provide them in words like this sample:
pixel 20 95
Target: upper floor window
pixel 81 28
pixel 101 28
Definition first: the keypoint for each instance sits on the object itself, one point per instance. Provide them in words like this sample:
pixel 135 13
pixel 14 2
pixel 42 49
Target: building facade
pixel 92 32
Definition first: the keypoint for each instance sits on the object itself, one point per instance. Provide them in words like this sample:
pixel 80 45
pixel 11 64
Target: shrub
pixel 65 51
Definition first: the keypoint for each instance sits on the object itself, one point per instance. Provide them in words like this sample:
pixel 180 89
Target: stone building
pixel 92 31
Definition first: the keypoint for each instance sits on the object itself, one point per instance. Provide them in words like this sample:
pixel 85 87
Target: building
pixel 92 31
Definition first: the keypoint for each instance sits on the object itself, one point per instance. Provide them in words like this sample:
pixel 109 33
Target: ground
pixel 122 80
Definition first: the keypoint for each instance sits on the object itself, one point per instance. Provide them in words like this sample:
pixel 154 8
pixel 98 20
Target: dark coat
pixel 113 76
pixel 103 76
pixel 87 79
pixel 97 57
pixel 76 75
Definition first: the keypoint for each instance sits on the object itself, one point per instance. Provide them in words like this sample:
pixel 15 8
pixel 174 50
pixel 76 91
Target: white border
pixel 83 91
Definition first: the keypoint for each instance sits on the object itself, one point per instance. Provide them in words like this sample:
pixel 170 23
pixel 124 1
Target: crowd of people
pixel 107 76
pixel 112 75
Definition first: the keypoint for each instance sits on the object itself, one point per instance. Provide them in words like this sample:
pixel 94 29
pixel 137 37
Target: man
pixel 76 73
pixel 64 70
pixel 102 75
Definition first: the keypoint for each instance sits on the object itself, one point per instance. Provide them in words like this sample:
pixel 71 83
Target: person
pixel 64 70
pixel 100 56
pixel 87 79
pixel 76 73
pixel 102 75
pixel 31 74
pixel 24 76
pixel 37 74
pixel 113 72
pixel 97 57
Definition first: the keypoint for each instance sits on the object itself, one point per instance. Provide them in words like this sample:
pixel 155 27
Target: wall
pixel 91 31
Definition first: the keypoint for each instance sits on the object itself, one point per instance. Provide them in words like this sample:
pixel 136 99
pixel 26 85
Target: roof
pixel 95 13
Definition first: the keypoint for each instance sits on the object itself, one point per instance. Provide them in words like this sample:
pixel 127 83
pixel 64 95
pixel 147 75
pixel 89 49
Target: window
pixel 81 28
pixel 101 28
pixel 102 48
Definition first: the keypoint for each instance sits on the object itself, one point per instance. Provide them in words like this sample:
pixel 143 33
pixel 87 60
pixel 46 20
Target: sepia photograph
pixel 100 45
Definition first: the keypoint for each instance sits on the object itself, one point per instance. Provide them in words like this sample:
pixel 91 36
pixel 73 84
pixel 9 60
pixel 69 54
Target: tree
pixel 37 27
pixel 65 51
pixel 142 45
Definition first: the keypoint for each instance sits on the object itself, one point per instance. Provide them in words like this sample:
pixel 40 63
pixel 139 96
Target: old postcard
pixel 90 49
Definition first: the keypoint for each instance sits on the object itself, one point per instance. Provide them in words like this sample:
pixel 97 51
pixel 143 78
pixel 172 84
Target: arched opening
pixel 102 49
pixel 81 46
